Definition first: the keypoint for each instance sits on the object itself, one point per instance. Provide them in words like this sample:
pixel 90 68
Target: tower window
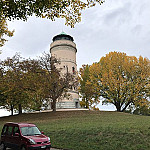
pixel 73 70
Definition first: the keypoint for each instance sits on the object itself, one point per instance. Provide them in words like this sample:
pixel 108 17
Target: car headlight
pixel 49 139
pixel 32 141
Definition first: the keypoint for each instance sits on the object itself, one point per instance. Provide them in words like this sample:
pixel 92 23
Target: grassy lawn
pixel 91 130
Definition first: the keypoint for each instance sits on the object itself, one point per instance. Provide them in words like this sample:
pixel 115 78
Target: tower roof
pixel 63 36
pixel 62 33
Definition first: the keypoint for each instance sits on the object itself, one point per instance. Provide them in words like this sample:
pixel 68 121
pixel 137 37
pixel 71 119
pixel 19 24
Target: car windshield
pixel 28 131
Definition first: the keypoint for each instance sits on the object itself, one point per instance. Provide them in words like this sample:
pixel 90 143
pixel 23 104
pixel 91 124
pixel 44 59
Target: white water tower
pixel 64 49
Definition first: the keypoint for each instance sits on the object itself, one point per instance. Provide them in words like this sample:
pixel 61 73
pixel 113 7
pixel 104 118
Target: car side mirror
pixel 42 132
pixel 17 134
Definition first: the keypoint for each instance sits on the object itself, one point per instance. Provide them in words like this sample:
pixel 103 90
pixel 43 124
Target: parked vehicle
pixel 23 136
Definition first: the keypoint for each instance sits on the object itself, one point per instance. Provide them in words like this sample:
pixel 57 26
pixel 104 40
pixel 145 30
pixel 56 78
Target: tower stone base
pixel 67 104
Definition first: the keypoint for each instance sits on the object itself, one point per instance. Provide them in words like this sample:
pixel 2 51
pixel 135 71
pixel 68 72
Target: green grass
pixel 91 130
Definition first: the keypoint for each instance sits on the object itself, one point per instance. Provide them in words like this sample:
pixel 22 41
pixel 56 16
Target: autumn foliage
pixel 121 80
pixel 89 99
pixel 50 9
pixel 28 84
pixel 4 31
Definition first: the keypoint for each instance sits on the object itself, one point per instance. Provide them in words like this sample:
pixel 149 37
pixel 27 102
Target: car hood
pixel 38 138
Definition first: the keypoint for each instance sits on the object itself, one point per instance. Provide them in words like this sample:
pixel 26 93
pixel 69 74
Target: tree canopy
pixel 12 84
pixel 121 80
pixel 55 84
pixel 4 31
pixel 89 99
pixel 50 9
pixel 31 83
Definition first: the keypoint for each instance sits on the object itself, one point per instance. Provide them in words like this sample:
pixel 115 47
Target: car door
pixel 16 137
pixel 4 134
pixel 8 136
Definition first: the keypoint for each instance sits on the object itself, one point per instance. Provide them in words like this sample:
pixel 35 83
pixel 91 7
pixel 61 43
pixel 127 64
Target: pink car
pixel 23 136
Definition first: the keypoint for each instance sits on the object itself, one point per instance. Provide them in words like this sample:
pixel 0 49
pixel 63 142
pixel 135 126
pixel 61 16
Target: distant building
pixel 64 49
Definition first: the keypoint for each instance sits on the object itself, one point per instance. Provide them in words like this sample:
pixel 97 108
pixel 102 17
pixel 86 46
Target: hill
pixel 90 130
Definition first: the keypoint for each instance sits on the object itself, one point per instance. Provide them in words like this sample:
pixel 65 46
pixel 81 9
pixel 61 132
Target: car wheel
pixel 23 148
pixel 2 146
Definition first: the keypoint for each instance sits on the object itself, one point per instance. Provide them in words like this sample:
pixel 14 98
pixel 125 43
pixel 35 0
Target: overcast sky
pixel 117 25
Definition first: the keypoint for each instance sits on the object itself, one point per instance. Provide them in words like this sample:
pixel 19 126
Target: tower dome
pixel 64 49
pixel 62 36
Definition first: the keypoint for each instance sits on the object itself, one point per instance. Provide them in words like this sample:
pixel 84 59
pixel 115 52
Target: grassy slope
pixel 91 130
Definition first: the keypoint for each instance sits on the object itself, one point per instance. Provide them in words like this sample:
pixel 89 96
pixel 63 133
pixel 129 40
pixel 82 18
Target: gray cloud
pixel 118 16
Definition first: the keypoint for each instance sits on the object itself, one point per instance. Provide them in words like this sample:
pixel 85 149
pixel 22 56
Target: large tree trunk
pixel 20 109
pixel 118 107
pixel 12 110
pixel 54 105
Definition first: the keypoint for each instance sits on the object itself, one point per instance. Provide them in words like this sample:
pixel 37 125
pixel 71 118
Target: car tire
pixel 23 148
pixel 2 146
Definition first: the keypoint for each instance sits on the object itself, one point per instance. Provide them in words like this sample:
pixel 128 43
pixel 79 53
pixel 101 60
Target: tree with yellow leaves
pixel 89 99
pixel 122 80
pixel 4 31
